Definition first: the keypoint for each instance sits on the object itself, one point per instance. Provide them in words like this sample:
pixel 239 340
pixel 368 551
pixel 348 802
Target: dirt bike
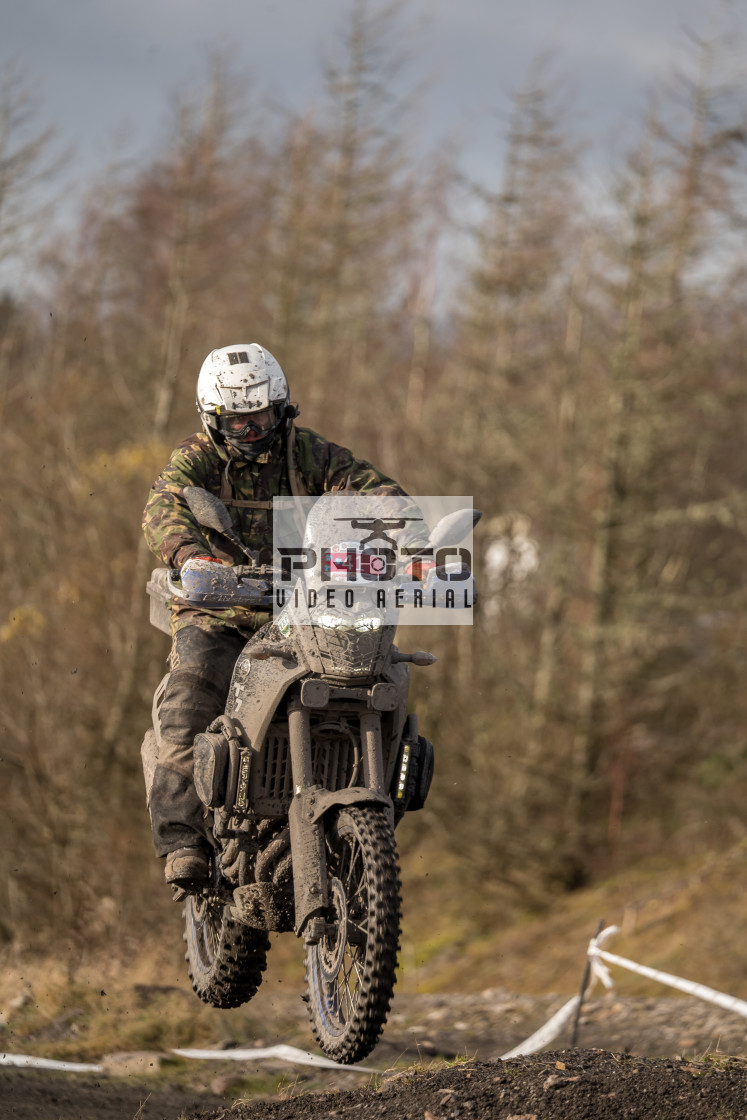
pixel 303 778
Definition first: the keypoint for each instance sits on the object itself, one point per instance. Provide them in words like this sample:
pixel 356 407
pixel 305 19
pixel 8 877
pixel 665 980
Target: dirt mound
pixel 563 1085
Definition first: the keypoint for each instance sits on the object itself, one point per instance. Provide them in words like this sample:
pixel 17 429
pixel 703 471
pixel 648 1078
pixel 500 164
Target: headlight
pixel 371 623
pixel 364 625
pixel 333 622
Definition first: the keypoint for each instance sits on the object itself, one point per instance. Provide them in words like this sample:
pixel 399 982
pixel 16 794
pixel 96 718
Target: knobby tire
pixel 226 959
pixel 350 973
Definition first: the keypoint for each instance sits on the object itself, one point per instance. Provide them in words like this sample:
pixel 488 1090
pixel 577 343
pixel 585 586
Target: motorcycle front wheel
pixel 225 958
pixel 350 972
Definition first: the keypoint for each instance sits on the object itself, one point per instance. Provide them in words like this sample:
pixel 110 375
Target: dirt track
pixel 37 1096
pixel 664 1082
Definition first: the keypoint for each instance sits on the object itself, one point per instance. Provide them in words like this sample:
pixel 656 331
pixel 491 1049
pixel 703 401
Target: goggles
pixel 240 425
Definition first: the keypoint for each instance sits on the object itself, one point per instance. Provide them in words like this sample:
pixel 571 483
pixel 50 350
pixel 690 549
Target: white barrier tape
pixel 690 987
pixel 545 1034
pixel 600 971
pixel 284 1053
pixel 48 1063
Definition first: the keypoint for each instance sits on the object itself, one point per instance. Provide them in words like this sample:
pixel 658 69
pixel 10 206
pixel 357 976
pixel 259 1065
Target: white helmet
pixel 238 380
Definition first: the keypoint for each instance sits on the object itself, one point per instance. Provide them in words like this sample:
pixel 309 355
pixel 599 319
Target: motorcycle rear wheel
pixel 350 973
pixel 226 959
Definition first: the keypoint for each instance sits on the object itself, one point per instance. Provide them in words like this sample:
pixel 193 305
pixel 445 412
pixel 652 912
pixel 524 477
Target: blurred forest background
pixel 571 357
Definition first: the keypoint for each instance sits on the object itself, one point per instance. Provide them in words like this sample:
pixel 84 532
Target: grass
pixel 146 1005
pixel 683 918
pixel 416 1069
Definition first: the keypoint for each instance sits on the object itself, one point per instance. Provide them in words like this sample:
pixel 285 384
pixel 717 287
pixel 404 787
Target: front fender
pixel 353 795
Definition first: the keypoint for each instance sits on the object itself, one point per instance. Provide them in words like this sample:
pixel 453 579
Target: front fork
pixel 306 832
pixel 310 803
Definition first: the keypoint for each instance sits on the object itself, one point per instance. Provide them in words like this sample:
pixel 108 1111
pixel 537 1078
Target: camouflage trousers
pixel 202 662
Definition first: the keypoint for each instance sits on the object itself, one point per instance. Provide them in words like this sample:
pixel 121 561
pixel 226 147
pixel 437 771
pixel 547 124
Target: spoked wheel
pixel 226 958
pixel 350 973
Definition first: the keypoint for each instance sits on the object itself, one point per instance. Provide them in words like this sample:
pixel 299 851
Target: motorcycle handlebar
pixel 215 586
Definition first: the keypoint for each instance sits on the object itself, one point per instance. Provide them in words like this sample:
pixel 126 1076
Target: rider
pixel 248 452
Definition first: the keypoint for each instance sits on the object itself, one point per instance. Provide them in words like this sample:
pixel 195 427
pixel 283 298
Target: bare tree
pixel 28 162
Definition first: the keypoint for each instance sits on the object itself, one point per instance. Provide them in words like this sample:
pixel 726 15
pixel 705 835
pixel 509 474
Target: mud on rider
pixel 249 451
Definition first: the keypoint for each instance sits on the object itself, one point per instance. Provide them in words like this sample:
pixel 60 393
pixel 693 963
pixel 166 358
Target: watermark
pixel 360 561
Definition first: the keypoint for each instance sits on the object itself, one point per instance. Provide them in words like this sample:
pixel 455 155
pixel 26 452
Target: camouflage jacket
pixel 174 535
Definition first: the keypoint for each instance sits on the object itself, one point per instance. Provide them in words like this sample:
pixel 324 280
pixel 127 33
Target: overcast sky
pixel 102 64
